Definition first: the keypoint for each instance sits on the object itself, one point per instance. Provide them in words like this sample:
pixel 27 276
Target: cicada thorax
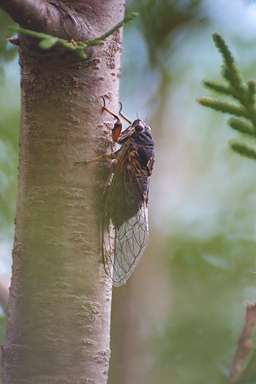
pixel 129 191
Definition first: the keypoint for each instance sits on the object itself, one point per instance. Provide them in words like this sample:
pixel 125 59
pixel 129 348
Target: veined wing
pixel 125 223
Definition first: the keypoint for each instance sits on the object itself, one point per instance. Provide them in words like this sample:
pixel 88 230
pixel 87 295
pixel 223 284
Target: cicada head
pixel 142 133
pixel 139 126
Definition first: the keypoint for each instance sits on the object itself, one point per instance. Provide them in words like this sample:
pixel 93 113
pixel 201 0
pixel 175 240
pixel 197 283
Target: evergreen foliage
pixel 243 109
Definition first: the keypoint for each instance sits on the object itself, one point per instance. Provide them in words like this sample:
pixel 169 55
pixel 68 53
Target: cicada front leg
pixel 116 133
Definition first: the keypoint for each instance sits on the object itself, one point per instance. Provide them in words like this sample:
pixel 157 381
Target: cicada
pixel 125 217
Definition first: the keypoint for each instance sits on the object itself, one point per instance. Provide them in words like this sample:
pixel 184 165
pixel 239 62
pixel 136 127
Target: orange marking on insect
pixel 116 131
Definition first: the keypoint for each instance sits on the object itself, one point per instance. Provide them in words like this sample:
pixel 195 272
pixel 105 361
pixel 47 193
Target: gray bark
pixel 58 327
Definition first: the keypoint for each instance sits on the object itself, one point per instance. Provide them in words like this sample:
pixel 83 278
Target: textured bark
pixel 59 307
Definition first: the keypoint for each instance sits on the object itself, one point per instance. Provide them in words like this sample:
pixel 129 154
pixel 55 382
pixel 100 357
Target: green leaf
pixel 81 53
pixel 130 16
pixel 48 42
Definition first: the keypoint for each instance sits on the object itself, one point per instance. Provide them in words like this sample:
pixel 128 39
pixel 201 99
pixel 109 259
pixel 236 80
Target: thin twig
pixel 244 344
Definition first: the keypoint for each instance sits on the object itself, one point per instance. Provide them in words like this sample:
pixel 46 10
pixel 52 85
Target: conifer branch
pixel 233 86
pixel 218 87
pixel 223 106
pixel 243 150
pixel 230 71
pixel 241 126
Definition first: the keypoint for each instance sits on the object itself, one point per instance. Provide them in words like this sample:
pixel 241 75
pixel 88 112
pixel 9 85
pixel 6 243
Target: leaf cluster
pixel 242 94
pixel 47 41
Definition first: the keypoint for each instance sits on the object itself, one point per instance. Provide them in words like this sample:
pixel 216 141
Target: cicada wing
pixel 123 246
pixel 129 245
pixel 107 232
pixel 125 218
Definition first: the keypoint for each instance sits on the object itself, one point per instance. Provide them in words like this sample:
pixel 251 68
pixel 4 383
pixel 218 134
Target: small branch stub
pixel 244 344
pixel 47 41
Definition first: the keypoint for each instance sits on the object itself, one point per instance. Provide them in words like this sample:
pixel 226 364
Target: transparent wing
pixel 125 222
pixel 123 246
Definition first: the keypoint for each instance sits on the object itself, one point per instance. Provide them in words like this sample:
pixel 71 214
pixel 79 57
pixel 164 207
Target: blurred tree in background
pixel 9 112
pixel 8 52
pixel 180 315
pixel 157 25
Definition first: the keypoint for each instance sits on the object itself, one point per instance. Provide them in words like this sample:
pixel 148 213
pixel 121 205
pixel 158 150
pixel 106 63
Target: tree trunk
pixel 59 308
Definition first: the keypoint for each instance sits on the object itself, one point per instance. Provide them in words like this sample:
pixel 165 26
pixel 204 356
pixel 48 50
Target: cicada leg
pixel 116 134
pixel 117 129
pixel 113 114
pixel 104 108
pixel 122 115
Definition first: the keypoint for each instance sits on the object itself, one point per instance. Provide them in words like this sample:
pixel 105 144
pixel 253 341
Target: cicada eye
pixel 116 131
pixel 138 125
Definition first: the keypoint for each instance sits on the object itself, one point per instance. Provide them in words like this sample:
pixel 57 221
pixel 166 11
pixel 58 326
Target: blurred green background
pixel 179 317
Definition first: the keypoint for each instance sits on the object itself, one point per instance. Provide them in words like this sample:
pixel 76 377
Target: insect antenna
pixel 120 113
